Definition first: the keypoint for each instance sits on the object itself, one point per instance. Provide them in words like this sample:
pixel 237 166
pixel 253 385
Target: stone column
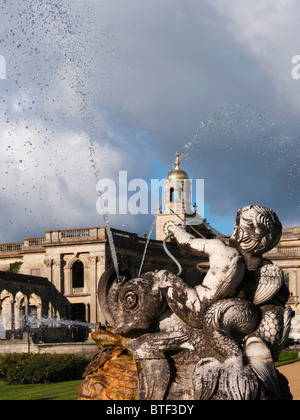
pixel 67 277
pixel 57 273
pixel 100 271
pixel 48 268
pixel 87 312
pixel 12 314
pixel 93 288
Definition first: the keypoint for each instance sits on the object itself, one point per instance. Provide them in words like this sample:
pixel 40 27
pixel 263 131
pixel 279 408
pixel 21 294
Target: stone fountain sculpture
pixel 215 341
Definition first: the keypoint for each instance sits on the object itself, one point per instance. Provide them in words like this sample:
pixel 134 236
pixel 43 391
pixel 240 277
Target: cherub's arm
pixel 188 244
pixel 182 299
pixel 226 265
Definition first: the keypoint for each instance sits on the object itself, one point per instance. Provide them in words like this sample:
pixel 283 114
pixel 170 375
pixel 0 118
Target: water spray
pixel 172 256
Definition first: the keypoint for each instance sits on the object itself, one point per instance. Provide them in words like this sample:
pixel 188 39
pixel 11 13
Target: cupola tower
pixel 177 196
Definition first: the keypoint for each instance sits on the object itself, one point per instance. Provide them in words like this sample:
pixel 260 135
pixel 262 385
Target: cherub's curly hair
pixel 261 228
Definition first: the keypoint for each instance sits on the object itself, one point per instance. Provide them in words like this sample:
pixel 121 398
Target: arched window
pixel 6 312
pixel 7 309
pixel 77 274
pixel 287 279
pixel 171 195
pixel 33 314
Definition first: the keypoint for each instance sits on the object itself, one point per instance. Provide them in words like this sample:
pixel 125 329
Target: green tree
pixel 15 267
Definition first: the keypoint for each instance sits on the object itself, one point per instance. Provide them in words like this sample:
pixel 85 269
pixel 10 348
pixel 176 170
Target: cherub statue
pixel 231 326
pixel 237 270
pixel 239 266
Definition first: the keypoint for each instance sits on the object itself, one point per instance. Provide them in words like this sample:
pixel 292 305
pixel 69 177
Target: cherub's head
pixel 257 230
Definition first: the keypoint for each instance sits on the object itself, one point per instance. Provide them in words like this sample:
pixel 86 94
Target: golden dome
pixel 177 173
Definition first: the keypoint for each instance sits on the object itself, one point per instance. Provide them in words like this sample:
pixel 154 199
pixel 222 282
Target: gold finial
pixel 177 172
pixel 177 161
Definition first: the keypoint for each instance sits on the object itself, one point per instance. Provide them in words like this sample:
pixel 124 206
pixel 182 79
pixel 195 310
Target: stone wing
pixel 270 281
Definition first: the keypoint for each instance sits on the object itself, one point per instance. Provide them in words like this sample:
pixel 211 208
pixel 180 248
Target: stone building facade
pixel 71 262
pixel 287 256
pixel 59 274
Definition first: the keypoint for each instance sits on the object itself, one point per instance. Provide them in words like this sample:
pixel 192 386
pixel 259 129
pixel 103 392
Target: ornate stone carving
pixel 48 262
pixel 57 262
pixel 101 260
pixel 217 340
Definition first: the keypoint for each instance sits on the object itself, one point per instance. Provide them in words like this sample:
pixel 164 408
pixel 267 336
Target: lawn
pixel 57 391
pixel 68 390
pixel 287 357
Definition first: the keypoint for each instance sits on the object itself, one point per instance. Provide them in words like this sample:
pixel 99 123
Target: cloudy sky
pixel 94 87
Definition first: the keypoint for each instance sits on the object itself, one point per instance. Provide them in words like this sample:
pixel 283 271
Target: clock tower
pixel 177 196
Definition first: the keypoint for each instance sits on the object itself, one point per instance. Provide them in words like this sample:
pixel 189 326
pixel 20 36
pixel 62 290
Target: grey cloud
pixel 98 87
